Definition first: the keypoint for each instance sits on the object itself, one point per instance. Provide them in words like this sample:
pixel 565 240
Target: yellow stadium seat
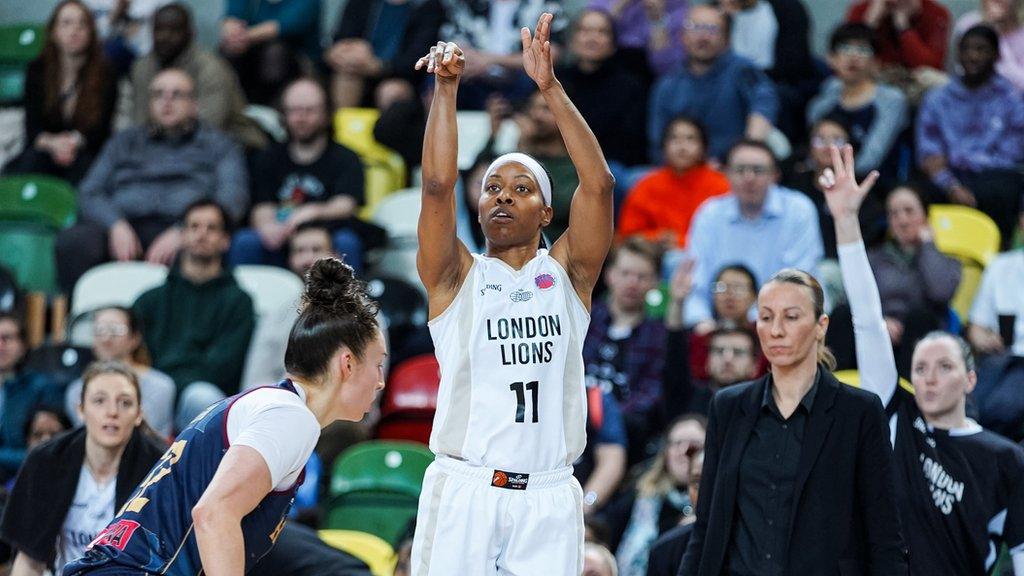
pixel 852 378
pixel 964 232
pixel 384 168
pixel 963 298
pixel 375 552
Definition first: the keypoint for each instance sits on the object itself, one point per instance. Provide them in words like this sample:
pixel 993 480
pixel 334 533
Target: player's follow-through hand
pixel 537 61
pixel 842 192
pixel 446 61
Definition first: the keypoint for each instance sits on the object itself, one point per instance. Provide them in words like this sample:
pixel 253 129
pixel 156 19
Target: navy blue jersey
pixel 153 531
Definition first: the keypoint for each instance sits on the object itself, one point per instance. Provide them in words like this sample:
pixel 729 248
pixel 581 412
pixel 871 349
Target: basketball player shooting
pixel 508 328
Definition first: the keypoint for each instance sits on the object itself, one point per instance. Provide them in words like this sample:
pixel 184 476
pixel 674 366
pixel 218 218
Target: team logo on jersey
pixel 510 480
pixel 544 281
pixel 521 295
pixel 117 535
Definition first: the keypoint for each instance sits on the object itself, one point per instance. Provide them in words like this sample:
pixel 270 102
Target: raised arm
pixel 584 246
pixel 874 349
pixel 442 260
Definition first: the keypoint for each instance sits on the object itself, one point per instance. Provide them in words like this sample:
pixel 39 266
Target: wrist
pixel 946 180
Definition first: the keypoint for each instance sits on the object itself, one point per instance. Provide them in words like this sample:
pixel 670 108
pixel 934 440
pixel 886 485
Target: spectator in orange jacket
pixel 661 204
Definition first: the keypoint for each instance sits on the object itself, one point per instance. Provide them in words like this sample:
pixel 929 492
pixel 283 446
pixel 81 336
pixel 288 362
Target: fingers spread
pixel 837 162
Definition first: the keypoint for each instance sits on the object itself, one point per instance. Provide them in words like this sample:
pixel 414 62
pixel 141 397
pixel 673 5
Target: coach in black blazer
pixel 843 520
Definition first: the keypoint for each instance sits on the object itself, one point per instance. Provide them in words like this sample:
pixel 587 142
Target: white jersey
pixel 91 510
pixel 510 347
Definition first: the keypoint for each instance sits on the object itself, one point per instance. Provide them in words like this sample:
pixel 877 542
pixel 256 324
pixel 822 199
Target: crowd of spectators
pixel 716 118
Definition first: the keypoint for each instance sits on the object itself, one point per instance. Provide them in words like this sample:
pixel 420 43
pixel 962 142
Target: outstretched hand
pixel 446 61
pixel 842 192
pixel 537 61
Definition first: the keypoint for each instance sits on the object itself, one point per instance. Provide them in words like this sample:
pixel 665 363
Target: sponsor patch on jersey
pixel 544 281
pixel 116 535
pixel 521 295
pixel 510 480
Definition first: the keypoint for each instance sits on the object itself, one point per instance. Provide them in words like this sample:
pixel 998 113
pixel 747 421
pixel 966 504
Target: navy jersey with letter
pixel 153 531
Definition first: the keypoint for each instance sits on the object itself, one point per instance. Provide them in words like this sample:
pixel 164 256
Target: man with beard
pixel 218 93
pixel 973 155
pixel 199 322
pixel 307 178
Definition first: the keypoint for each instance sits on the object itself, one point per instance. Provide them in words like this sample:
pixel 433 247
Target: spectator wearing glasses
pixel 759 224
pixel 117 337
pixel 660 499
pixel 218 93
pixel 872 113
pixel 134 197
pixel 732 97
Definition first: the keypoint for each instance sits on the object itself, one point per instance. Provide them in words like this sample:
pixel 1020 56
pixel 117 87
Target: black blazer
pixel 844 519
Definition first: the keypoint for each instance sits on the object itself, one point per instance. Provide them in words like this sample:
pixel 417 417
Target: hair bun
pixel 331 285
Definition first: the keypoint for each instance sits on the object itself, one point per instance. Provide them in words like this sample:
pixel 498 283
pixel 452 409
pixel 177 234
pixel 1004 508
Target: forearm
pixel 580 141
pixel 674 315
pixel 221 546
pixel 263 32
pixel 758 126
pixel 264 215
pixel 441 141
pixel 338 208
pixel 608 471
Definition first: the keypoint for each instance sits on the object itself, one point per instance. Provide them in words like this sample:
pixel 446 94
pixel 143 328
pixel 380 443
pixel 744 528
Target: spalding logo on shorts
pixel 500 479
pixel 544 281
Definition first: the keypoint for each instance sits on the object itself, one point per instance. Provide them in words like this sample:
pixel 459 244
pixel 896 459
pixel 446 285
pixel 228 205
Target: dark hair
pixel 94 73
pixel 853 32
pixel 832 118
pixel 110 367
pixel 179 9
pixel 983 31
pixel 318 225
pixel 914 189
pixel 742 269
pixel 801 278
pixel 750 143
pixel 731 329
pixel 335 312
pixel 640 246
pixel 684 119
pixel 209 203
pixel 58 413
pixel 607 16
pixel 18 322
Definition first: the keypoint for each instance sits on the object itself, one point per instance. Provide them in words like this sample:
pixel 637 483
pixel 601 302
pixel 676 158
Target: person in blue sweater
pixel 20 391
pixel 731 96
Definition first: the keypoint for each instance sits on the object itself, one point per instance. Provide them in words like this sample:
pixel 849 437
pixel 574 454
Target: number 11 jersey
pixel 510 347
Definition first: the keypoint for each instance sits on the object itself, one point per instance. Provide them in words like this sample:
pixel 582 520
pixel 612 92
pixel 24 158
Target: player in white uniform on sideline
pixel 508 328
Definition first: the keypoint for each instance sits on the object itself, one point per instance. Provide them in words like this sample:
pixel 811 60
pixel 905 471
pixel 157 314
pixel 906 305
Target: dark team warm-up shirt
pixel 153 532
pixel 962 493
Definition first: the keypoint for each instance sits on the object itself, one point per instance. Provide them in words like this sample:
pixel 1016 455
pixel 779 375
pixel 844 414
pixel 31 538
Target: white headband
pixel 534 167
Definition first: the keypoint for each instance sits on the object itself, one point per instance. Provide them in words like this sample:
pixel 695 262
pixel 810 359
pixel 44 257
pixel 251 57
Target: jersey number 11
pixel 520 391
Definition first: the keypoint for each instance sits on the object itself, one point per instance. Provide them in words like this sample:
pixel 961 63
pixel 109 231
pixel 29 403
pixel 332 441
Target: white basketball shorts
pixel 475 521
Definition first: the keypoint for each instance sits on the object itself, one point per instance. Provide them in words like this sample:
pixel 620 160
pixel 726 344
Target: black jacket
pixel 844 520
pixel 45 487
pixel 360 17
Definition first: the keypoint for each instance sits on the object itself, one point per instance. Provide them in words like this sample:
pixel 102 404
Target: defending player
pixel 508 328
pixel 216 501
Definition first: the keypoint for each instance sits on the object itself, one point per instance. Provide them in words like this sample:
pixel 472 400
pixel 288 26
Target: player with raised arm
pixel 958 486
pixel 508 328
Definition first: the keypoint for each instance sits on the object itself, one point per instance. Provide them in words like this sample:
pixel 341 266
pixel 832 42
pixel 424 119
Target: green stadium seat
pixel 19 45
pixel 27 250
pixel 375 488
pixel 37 199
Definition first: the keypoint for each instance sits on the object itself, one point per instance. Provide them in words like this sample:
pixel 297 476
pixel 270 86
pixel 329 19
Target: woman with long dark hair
pixel 70 486
pixel 70 95
pixel 217 500
pixel 798 474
